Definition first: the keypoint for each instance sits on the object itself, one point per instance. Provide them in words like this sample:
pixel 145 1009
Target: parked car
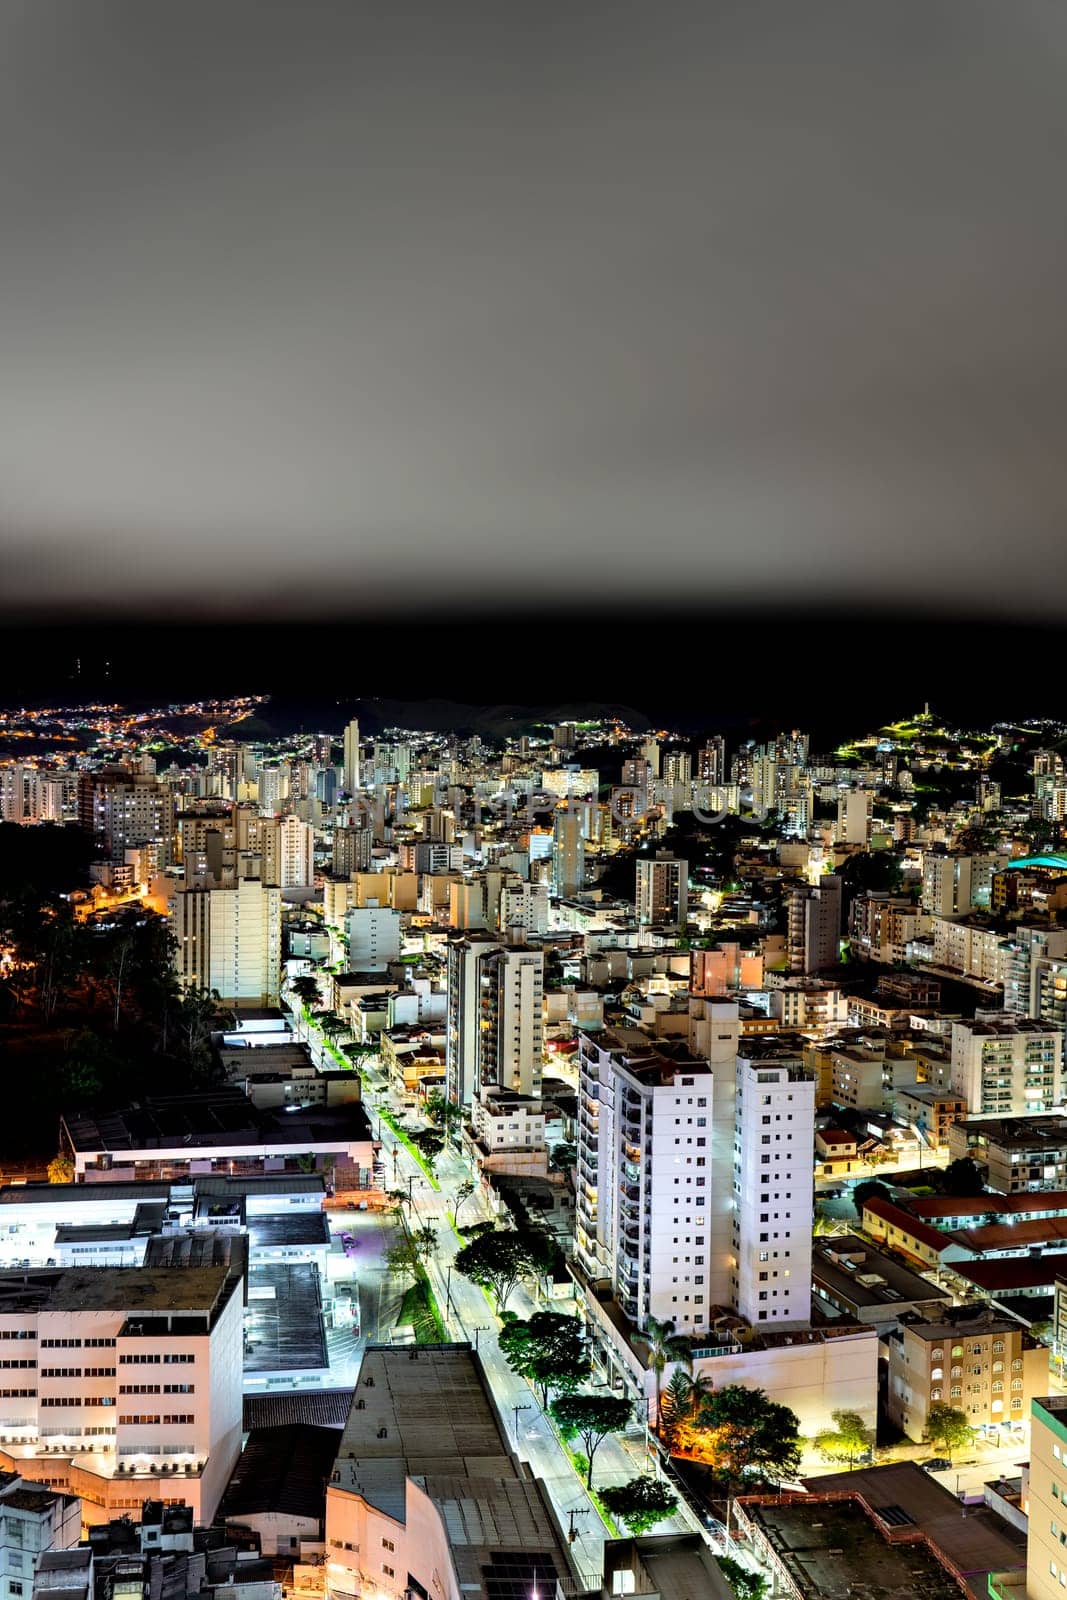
pixel 936 1464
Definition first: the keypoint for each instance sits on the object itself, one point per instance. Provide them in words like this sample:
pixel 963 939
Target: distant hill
pixel 281 717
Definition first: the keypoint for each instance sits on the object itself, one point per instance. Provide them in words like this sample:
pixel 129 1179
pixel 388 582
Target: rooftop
pixel 222 1116
pixel 126 1289
pixel 874 1279
pixel 972 1540
pixel 282 1470
pixel 833 1550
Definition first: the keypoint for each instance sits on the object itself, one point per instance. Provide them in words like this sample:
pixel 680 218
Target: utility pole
pixel 572 1531
pixel 516 1410
pixel 483 1328
pixel 448 1287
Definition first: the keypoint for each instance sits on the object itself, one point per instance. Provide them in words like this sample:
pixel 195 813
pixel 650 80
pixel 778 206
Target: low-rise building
pixel 1018 1153
pixel 853 1280
pixel 986 1365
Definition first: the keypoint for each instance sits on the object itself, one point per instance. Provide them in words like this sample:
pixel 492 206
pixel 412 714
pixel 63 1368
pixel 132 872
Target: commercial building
pixel 128 1383
pixel 426 1495
pixel 1005 1068
pixel 852 1280
pixel 986 1365
pixel 217 1131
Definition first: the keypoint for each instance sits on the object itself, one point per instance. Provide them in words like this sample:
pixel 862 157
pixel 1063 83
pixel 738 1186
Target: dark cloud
pixel 308 305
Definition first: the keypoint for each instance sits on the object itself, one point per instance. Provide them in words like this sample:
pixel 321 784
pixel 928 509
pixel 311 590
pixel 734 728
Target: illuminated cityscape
pixel 533 801
pixel 503 1076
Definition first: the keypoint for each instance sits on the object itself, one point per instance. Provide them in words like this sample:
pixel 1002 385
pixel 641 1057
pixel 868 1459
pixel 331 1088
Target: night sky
pixel 311 309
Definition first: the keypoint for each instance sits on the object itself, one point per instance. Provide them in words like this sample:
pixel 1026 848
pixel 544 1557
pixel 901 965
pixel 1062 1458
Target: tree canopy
pixel 641 1503
pixel 848 1440
pixel 948 1426
pixel 590 1418
pixel 751 1433
pixel 500 1260
pixel 549 1349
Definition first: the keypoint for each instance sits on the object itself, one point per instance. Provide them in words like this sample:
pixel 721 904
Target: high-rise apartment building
pixel 372 936
pixel 273 788
pixel 229 939
pixel 495 1032
pixel 954 885
pixel 351 851
pixel 1046 1554
pixel 1007 1068
pixel 655 1172
pixel 854 812
pixel 711 762
pixel 662 892
pixel 350 772
pixel 523 910
pixel 814 926
pixel 122 809
pixel 773 1184
pixel 568 854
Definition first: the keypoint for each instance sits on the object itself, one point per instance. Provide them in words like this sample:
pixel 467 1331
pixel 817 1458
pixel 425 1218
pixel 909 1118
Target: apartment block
pixel 229 939
pixel 1005 1068
pixel 985 1364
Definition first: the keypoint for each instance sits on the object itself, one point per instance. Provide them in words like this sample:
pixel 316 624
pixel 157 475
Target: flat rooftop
pixel 126 1289
pixel 424 1412
pixel 283 1320
pixel 898 1285
pixel 835 1551
pixel 973 1539
pixel 219 1117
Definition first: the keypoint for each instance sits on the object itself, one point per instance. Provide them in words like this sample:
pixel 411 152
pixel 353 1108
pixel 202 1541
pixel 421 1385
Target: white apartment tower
pixel 523 910
pixel 372 934
pixel 1007 1067
pixel 662 892
pixel 655 1190
pixel 350 778
pixel 495 1026
pixel 229 940
pixel 773 1184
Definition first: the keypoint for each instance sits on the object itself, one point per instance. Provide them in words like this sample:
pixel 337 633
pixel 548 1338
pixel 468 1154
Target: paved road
pixel 469 1316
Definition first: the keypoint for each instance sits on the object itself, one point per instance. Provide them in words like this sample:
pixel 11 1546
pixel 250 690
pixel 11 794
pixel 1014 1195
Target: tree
pixel 442 1112
pixel 590 1418
pixel 463 1192
pixel 402 1258
pixel 848 1439
pixel 948 1427
pixel 61 1169
pixel 751 1432
pixel 682 1402
pixel 305 988
pixel 665 1345
pixel 641 1503
pixel 962 1178
pixel 424 1240
pixel 869 1189
pixel 332 1025
pixel 549 1349
pixel 429 1144
pixel 498 1261
pixel 745 1584
pixel 563 1158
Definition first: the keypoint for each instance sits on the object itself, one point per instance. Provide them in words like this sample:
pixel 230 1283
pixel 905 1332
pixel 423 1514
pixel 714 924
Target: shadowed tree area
pixel 91 1012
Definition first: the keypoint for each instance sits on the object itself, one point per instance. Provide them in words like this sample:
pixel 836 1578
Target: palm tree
pixel 665 1345
pixel 683 1400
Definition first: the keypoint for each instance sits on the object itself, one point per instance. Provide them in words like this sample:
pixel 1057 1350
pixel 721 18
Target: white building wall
pixel 774 1186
